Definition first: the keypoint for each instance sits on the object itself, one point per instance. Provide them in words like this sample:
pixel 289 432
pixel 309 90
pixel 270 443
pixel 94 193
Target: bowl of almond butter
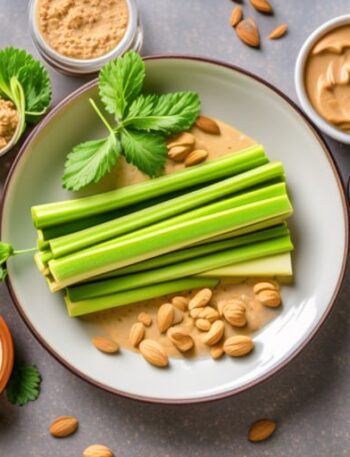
pixel 6 354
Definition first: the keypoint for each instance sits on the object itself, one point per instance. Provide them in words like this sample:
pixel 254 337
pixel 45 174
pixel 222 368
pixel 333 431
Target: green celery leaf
pixel 6 250
pixel 90 161
pixel 121 81
pixel 24 385
pixel 147 151
pixel 170 113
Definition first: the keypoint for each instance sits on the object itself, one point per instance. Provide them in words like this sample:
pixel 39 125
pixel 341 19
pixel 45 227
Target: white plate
pixel 319 230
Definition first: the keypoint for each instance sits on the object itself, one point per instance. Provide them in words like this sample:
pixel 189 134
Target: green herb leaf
pixel 147 151
pixel 24 385
pixel 90 161
pixel 170 113
pixel 121 81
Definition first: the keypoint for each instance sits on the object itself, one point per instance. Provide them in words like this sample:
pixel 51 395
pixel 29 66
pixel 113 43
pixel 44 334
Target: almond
pixel 232 301
pixel 201 299
pixel 263 6
pixel 238 345
pixel 165 317
pixel 248 32
pixel 194 313
pixel 203 325
pixel 217 351
pixel 154 353
pixel 259 286
pixel 209 313
pixel 235 313
pixel 181 338
pixel 105 344
pixel 98 450
pixel 270 298
pixel 63 426
pixel 278 32
pixel 196 157
pixel 207 125
pixel 180 302
pixel 215 333
pixel 261 430
pixel 236 15
pixel 184 139
pixel 137 334
pixel 179 153
pixel 178 316
pixel 145 319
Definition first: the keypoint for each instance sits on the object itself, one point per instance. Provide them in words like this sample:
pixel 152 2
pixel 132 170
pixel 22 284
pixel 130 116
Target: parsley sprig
pixel 141 124
pixel 24 385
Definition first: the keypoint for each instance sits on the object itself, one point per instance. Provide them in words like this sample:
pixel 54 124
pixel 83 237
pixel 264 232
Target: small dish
pixel 6 354
pixel 321 123
pixel 12 142
pixel 132 40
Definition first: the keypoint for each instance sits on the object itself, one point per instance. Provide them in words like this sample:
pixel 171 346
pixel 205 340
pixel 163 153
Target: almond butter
pixel 270 298
pixel 196 157
pixel 238 345
pixel 104 344
pixel 145 318
pixel 261 430
pixel 248 32
pixel 63 426
pixel 203 325
pixel 98 450
pixel 137 334
pixel 165 317
pixel 201 299
pixel 184 139
pixel 180 302
pixel 154 353
pixel 209 313
pixel 181 338
pixel 179 153
pixel 263 6
pixel 207 125
pixel 235 313
pixel 278 32
pixel 217 351
pixel 215 333
pixel 259 286
pixel 236 15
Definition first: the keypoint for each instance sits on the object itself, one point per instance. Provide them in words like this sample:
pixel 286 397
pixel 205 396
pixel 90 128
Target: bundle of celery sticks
pixel 164 235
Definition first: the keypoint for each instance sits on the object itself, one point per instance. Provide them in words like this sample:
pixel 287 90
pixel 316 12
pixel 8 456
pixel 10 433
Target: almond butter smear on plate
pixel 82 29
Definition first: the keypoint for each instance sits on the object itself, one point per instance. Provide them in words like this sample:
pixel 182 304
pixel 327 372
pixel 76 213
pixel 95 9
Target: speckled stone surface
pixel 309 399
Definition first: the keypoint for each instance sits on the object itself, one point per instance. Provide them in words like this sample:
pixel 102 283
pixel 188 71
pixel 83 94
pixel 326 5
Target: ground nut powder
pixel 8 121
pixel 82 29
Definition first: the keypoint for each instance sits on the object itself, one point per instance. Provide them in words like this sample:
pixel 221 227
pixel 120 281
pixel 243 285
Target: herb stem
pixel 101 116
pixel 24 251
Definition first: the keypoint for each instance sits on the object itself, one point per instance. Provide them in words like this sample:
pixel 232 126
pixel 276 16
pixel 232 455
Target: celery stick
pixel 125 251
pixel 81 308
pixel 190 267
pixel 84 238
pixel 62 212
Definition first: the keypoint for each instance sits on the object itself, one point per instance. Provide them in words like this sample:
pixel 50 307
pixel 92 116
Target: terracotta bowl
pixel 6 359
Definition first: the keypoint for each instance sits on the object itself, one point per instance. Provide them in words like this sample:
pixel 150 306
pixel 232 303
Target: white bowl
pixel 321 123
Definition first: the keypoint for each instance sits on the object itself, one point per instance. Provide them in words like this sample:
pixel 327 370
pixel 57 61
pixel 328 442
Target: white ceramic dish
pixel 321 123
pixel 319 229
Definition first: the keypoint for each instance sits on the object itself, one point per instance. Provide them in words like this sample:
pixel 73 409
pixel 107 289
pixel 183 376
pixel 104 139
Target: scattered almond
pixel 196 157
pixel 165 317
pixel 217 351
pixel 98 450
pixel 179 153
pixel 263 6
pixel 270 298
pixel 203 325
pixel 145 318
pixel 235 313
pixel 261 430
pixel 236 15
pixel 278 32
pixel 209 313
pixel 259 286
pixel 184 139
pixel 238 345
pixel 104 344
pixel 137 333
pixel 154 353
pixel 180 302
pixel 208 125
pixel 248 32
pixel 201 299
pixel 181 338
pixel 63 426
pixel 215 333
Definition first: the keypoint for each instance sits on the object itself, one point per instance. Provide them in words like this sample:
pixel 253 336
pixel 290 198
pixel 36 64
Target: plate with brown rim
pixel 319 229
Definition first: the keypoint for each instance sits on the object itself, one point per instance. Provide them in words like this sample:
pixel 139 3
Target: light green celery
pixel 84 307
pixel 52 214
pixel 84 238
pixel 126 251
pixel 229 256
pixel 197 251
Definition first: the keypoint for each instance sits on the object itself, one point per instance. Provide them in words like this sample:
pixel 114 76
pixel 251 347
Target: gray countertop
pixel 309 399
